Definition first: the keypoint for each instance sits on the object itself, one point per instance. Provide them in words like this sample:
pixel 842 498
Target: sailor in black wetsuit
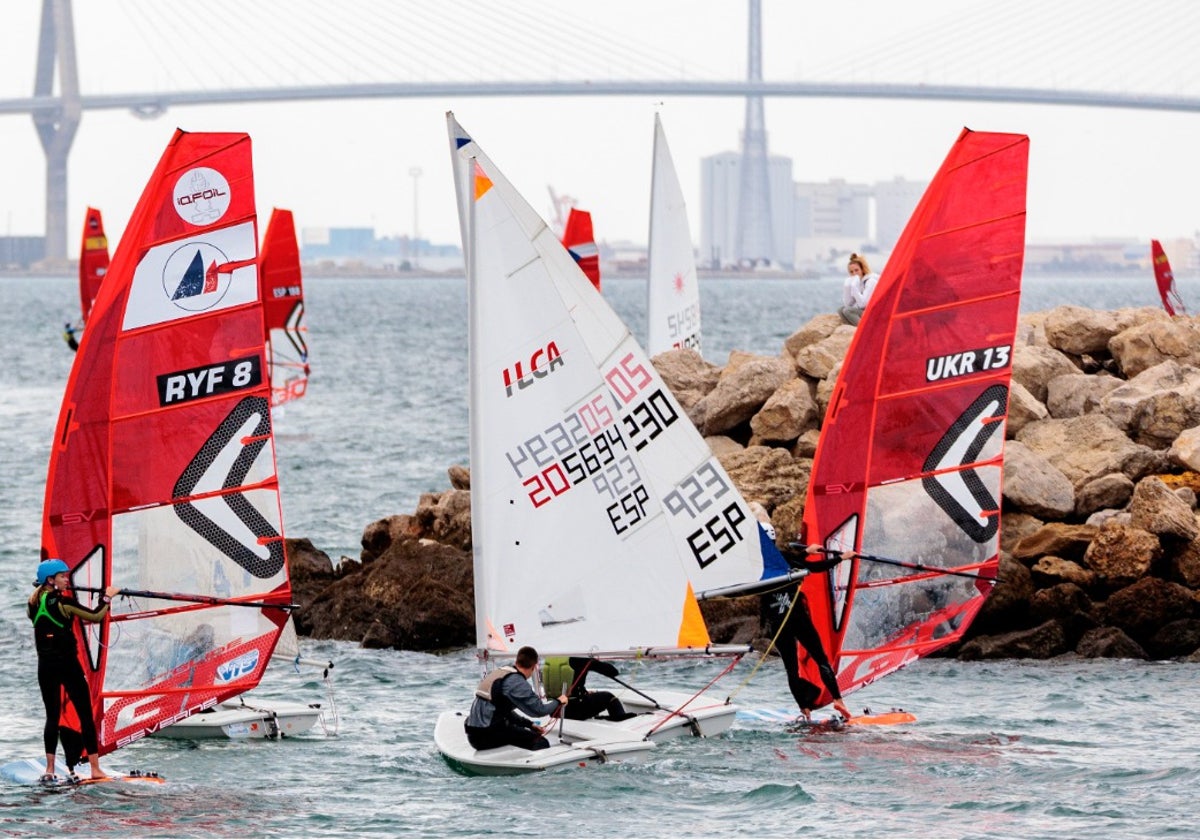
pixel 53 614
pixel 494 722
pixel 798 628
pixel 588 704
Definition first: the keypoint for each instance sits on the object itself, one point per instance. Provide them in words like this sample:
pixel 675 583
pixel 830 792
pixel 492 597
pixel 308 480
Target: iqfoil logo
pixel 201 196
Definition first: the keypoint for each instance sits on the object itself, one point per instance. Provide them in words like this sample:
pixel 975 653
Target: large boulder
pixel 689 377
pixel 419 595
pixel 1155 508
pixel 1034 485
pixel 1034 366
pixel 1157 405
pixel 787 413
pixel 1154 341
pixel 741 392
pixel 1145 607
pixel 1042 642
pixel 1121 554
pixel 1085 448
pixel 1079 330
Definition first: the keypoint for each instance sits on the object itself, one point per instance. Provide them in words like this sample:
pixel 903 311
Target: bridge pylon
pixel 754 226
pixel 56 129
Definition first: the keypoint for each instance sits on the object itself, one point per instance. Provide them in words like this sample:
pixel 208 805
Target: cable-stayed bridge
pixel 170 56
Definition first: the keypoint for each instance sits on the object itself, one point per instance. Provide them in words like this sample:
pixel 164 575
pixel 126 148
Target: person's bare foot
pixel 842 710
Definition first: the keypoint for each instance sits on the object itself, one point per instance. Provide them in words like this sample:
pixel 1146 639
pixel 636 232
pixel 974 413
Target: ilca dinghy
pixel 596 505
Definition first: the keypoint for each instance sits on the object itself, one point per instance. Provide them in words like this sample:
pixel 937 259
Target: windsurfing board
pixel 828 721
pixel 29 771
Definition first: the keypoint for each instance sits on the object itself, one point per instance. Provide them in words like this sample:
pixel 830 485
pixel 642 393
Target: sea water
pixel 1056 749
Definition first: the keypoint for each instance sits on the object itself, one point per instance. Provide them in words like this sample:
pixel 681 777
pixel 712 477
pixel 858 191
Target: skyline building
pixel 720 190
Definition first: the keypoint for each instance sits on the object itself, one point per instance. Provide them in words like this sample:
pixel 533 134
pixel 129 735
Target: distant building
pixel 812 222
pixel 833 208
pixel 359 246
pixel 720 191
pixel 21 252
pixel 894 204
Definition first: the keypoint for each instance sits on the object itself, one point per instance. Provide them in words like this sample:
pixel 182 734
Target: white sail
pixel 596 505
pixel 673 305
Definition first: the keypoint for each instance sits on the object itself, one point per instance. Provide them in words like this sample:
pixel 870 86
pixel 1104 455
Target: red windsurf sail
pixel 93 261
pixel 908 467
pixel 283 309
pixel 1165 279
pixel 162 471
pixel 580 242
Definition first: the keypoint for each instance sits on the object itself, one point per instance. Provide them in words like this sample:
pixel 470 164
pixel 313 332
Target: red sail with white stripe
pixel 908 468
pixel 580 242
pixel 283 310
pixel 162 472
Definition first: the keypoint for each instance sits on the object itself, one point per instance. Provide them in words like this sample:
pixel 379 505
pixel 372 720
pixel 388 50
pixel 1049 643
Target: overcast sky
pixel 1093 172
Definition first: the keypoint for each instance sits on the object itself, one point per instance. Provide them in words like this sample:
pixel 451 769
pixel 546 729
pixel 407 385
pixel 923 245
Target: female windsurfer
pixel 798 626
pixel 860 282
pixel 53 613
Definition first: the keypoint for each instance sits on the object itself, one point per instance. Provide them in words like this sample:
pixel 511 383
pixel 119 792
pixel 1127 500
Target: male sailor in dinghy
pixel 494 721
pixel 587 704
pixel 790 607
pixel 53 614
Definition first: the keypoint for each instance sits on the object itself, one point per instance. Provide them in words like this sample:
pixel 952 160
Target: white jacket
pixel 857 290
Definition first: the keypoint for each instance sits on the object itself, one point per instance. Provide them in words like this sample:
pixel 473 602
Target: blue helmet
pixel 48 569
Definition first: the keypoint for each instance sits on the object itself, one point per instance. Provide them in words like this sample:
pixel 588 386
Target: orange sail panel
pixel 580 242
pixel 908 467
pixel 162 471
pixel 283 309
pixel 93 261
pixel 1165 279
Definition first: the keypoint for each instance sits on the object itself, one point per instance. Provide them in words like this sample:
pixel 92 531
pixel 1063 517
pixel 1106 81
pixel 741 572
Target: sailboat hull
pixel 239 720
pixel 587 746
pixel 676 715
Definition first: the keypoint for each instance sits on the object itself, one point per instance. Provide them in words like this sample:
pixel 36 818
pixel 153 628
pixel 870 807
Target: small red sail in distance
pixel 162 472
pixel 909 462
pixel 1165 279
pixel 93 261
pixel 285 334
pixel 579 240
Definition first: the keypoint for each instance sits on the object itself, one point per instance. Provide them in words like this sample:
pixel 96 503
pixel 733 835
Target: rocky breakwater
pixel 1100 550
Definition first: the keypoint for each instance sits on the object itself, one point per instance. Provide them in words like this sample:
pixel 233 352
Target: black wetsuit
pixel 799 628
pixel 588 704
pixel 53 616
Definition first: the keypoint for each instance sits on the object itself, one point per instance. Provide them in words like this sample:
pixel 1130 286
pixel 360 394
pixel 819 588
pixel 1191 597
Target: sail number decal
pixel 683 327
pixel 701 497
pixel 587 447
pixel 967 362
pixel 209 380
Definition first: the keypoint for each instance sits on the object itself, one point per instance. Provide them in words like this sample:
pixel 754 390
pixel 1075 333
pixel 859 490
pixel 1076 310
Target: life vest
pixel 42 612
pixel 484 690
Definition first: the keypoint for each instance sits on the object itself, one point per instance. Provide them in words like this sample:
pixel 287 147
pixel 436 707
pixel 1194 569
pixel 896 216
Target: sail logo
pixel 192 278
pixel 967 362
pixel 236 669
pixel 955 486
pixel 224 463
pixel 201 196
pixel 209 380
pixel 541 364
